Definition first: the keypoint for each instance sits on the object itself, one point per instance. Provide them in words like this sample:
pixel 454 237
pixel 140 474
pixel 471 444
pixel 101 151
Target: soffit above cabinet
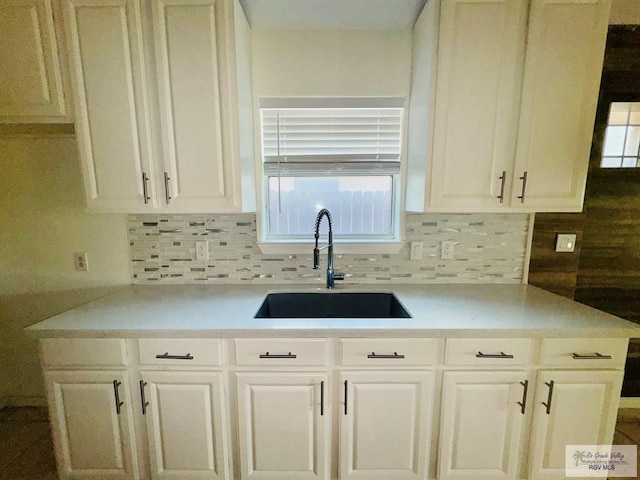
pixel 333 14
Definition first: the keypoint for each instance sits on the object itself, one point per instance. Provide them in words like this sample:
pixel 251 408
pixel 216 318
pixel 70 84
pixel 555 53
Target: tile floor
pixel 26 450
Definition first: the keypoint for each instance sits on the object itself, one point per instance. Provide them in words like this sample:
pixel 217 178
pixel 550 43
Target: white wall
pixel 331 62
pixel 625 12
pixel 42 222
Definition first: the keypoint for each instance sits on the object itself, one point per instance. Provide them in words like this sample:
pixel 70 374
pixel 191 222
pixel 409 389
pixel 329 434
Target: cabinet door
pixel 186 425
pixel 385 420
pixel 582 408
pixel 480 60
pixel 481 430
pixel 31 88
pixel 284 423
pixel 198 176
pixel 565 51
pixel 91 432
pixel 112 125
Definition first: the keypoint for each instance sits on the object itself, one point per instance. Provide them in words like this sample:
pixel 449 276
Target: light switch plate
pixel 565 242
pixel 416 250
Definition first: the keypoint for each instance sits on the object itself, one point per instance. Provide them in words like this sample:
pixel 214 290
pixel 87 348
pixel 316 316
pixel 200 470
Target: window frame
pixel 391 244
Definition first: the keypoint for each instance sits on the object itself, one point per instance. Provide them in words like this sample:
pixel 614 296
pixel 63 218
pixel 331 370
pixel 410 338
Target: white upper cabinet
pixel 478 90
pixel 565 51
pixel 512 126
pixel 197 176
pixel 112 122
pixel 155 85
pixel 31 73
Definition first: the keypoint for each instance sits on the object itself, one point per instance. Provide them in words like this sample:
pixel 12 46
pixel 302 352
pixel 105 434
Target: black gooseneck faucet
pixel 331 275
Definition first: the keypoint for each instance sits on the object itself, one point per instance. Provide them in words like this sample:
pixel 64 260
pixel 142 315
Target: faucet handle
pixel 338 276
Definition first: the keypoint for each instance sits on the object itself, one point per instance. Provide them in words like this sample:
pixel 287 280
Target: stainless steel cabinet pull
pixel 502 179
pixel 493 355
pixel 145 188
pixel 523 403
pixel 166 356
pixel 167 195
pixel 374 355
pixel 346 389
pixel 288 355
pixel 116 394
pixel 145 404
pixel 548 402
pixel 322 398
pixel 524 186
pixel 595 356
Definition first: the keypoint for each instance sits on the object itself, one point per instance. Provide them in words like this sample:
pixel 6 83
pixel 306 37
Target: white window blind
pixel 331 136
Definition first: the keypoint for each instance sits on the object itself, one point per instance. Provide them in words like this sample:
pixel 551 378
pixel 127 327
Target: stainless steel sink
pixel 332 305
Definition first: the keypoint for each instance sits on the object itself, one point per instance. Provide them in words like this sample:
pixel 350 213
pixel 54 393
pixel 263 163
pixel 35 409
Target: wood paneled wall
pixel 604 272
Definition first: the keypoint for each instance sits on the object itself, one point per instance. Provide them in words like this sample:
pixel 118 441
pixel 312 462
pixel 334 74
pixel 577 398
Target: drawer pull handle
pixel 395 355
pixel 166 356
pixel 523 403
pixel 493 355
pixel 346 390
pixel 116 394
pixel 145 404
pixel 322 398
pixel 549 397
pixel 288 355
pixel 594 356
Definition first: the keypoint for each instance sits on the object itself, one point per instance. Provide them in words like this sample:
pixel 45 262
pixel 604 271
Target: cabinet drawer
pixel 180 351
pixel 267 352
pixel 60 352
pixel 389 351
pixel 584 352
pixel 492 352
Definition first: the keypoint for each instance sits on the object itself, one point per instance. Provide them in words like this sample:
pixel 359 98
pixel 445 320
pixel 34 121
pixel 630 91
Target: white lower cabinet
pixel 483 415
pixel 284 425
pixel 385 424
pixel 571 408
pixel 327 409
pixel 91 424
pixel 185 418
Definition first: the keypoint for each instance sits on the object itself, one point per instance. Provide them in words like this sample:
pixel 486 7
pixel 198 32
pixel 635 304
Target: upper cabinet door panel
pixel 560 92
pixel 31 88
pixel 478 84
pixel 111 110
pixel 186 39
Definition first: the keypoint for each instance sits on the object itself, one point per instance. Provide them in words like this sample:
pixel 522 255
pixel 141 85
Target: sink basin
pixel 332 305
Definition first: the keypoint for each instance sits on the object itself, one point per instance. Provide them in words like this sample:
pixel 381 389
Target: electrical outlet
pixel 416 250
pixel 80 261
pixel 202 250
pixel 446 252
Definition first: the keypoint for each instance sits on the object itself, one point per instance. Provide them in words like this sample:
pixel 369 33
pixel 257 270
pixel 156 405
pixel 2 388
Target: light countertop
pixel 437 310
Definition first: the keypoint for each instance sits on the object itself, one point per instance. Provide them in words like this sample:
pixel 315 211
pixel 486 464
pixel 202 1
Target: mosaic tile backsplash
pixel 490 248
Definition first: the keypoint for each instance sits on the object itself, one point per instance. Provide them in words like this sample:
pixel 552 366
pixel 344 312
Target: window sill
pixel 339 247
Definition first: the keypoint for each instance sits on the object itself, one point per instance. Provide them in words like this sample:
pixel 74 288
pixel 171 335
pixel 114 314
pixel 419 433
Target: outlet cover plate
pixel 565 242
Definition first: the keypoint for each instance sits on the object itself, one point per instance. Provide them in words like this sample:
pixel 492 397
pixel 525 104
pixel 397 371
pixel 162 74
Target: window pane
pixel 611 162
pixel 634 119
pixel 359 205
pixel 633 142
pixel 614 140
pixel 629 162
pixel 619 113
